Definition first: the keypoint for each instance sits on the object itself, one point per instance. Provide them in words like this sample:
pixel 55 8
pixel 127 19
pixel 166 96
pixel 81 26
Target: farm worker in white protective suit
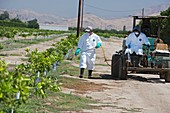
pixel 87 44
pixel 135 41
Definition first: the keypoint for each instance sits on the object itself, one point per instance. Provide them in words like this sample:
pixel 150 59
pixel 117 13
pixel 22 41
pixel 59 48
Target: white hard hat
pixel 88 29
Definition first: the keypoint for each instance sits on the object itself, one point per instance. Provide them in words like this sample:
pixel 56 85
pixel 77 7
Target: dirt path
pixel 139 94
pixel 21 51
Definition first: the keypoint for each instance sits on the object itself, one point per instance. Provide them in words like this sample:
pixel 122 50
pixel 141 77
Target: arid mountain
pixel 88 18
pixel 118 23
pixel 26 15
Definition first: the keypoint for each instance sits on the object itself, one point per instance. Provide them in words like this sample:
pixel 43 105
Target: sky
pixel 69 8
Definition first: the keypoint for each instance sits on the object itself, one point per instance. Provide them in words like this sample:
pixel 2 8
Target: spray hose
pixel 105 59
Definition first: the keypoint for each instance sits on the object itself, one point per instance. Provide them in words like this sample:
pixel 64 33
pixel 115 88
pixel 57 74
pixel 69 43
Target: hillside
pixel 89 19
pixel 26 15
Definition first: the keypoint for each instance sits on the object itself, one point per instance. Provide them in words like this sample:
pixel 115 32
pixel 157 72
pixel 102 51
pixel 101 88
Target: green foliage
pixel 27 79
pixel 42 61
pixel 30 79
pixel 11 32
pixel 164 26
pixel 1 46
pixel 11 84
pixel 107 33
pixel 65 45
pixel 16 22
pixel 57 102
pixel 4 15
pixel 165 32
pixel 33 24
pixel 154 27
pixel 166 12
pixel 12 23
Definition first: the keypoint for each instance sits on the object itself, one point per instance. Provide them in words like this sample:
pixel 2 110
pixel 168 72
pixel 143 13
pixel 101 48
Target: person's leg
pixel 83 64
pixel 140 54
pixel 90 73
pixel 81 72
pixel 140 59
pixel 91 63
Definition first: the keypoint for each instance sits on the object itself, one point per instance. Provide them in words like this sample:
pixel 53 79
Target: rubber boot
pixel 81 72
pixel 90 73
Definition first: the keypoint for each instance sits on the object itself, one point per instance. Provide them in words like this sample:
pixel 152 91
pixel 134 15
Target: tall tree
pixel 165 32
pixel 33 24
pixel 4 15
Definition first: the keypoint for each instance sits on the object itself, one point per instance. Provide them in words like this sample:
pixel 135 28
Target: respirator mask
pixel 137 33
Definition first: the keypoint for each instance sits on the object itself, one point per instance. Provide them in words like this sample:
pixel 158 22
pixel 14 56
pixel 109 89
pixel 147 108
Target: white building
pixel 54 27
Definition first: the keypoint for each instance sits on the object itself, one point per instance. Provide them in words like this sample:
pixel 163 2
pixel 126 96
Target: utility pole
pixel 78 19
pixel 142 12
pixel 82 15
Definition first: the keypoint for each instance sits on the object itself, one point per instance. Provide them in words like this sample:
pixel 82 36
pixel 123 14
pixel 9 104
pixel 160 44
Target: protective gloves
pixel 77 51
pixel 98 45
pixel 148 45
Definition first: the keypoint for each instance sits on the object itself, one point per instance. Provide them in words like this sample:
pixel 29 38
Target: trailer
pixel 156 59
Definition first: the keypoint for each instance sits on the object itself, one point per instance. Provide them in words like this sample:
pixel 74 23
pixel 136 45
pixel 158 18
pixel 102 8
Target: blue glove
pixel 77 51
pixel 98 45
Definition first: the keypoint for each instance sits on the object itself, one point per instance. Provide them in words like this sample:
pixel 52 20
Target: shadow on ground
pixel 143 79
pixel 103 76
pixel 131 77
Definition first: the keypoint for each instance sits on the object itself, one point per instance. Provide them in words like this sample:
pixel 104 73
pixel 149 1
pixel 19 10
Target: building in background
pixel 54 27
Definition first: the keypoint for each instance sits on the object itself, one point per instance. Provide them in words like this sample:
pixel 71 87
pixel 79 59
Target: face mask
pixel 89 33
pixel 136 33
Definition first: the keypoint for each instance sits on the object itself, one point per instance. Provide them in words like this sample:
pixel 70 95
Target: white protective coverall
pixel 135 43
pixel 87 45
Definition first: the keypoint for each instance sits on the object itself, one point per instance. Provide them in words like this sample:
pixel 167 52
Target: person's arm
pixel 80 42
pixel 128 41
pixel 99 42
pixel 146 41
pixel 80 45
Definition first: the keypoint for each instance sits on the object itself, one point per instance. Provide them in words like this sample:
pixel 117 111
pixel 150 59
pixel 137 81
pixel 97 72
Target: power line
pixel 108 10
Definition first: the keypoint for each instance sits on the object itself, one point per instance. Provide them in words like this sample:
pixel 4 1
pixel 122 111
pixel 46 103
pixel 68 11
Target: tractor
pixel 156 59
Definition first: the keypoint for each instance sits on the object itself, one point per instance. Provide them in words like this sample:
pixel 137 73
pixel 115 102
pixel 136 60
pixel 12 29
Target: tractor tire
pixel 123 69
pixel 162 75
pixel 167 75
pixel 115 65
pixel 118 67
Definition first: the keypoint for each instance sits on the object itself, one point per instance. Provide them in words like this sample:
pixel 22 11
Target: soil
pixel 9 58
pixel 140 93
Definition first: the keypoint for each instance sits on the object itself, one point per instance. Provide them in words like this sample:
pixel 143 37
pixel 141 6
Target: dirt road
pixel 139 94
pixel 12 59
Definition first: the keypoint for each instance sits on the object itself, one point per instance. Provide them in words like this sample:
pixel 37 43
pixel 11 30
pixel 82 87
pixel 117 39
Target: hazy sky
pixel 68 8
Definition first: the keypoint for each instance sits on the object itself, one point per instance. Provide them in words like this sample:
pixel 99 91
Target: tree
pixel 4 15
pixel 165 32
pixel 33 24
pixel 16 20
